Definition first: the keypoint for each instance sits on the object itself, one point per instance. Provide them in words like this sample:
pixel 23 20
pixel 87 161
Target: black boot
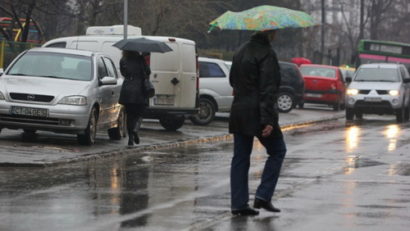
pixel 130 138
pixel 245 212
pixel 267 205
pixel 136 138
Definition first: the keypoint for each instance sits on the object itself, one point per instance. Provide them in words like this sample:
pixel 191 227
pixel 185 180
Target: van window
pixel 167 61
pixel 58 44
pixel 101 70
pixel 210 70
pixel 110 68
pixel 188 58
pixel 85 45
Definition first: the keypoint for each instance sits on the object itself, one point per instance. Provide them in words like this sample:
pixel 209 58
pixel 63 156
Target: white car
pixel 379 89
pixel 62 90
pixel 215 93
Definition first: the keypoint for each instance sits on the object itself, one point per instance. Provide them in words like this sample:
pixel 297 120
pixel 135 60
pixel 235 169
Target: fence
pixel 9 50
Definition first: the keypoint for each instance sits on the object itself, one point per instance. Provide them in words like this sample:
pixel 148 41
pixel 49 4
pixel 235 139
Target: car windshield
pixel 318 71
pixel 53 65
pixel 377 75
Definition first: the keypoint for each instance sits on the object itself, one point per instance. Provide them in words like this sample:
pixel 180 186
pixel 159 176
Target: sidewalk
pixel 53 149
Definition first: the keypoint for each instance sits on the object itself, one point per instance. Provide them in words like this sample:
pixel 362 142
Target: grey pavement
pixel 51 148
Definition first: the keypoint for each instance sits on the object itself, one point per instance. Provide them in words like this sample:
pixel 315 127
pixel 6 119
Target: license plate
pixel 313 95
pixel 372 99
pixel 164 100
pixel 28 111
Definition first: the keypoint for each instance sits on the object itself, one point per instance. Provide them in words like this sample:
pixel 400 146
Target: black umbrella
pixel 142 45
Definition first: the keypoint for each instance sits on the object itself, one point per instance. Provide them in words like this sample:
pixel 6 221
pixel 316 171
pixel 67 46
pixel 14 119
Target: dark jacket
pixel 255 79
pixel 134 70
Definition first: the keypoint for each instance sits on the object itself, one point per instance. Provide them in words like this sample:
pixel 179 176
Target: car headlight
pixel 74 100
pixel 394 92
pixel 352 91
pixel 2 96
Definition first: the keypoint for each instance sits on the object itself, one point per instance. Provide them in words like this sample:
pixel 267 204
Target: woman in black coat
pixel 132 96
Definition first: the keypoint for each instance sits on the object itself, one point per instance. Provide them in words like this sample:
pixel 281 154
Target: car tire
pixel 349 114
pixel 29 134
pixel 285 102
pixel 172 122
pixel 206 114
pixel 117 133
pixel 400 114
pixel 90 133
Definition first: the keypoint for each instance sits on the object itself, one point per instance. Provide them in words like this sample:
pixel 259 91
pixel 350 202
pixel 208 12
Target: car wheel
pixel 117 133
pixel 88 138
pixel 400 115
pixel 29 134
pixel 172 122
pixel 285 102
pixel 206 112
pixel 349 114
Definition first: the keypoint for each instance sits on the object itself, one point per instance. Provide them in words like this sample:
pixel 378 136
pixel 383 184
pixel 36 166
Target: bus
pixel 373 51
pixel 35 34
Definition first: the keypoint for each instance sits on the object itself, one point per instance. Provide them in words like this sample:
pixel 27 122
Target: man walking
pixel 255 79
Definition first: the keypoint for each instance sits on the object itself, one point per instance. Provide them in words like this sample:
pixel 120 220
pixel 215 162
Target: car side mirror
pixel 1 71
pixel 108 81
pixel 348 79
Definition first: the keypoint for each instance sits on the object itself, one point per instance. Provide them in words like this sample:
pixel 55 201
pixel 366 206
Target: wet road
pixel 336 177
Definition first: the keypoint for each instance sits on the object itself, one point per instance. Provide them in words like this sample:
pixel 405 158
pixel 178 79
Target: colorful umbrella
pixel 262 18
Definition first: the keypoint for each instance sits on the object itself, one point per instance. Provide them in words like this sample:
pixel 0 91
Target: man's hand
pixel 267 130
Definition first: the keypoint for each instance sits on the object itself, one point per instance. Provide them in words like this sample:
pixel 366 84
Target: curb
pixel 167 145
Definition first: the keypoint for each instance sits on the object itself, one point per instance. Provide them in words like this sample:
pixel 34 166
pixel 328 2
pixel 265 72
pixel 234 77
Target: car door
pixel 105 92
pixel 113 107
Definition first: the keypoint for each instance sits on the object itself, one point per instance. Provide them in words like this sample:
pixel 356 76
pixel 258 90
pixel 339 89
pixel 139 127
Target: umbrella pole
pixel 125 19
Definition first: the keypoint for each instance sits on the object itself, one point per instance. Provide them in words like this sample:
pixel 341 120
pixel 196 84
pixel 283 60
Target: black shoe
pixel 267 205
pixel 245 212
pixel 136 138
pixel 130 143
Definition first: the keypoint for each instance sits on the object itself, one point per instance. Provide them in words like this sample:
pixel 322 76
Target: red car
pixel 324 85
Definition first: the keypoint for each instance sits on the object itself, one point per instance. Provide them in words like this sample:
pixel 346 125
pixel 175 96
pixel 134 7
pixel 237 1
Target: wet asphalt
pixel 336 176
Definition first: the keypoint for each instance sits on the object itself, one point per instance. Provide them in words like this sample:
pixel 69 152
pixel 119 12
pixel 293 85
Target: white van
pixel 174 74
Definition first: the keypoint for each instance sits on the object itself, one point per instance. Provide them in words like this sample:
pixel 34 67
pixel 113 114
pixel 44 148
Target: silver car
pixel 379 89
pixel 62 90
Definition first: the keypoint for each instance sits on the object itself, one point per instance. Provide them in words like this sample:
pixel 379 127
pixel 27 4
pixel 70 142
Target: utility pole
pixel 361 27
pixel 125 19
pixel 322 35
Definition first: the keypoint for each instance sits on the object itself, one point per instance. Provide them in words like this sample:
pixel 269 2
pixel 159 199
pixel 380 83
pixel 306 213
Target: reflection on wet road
pixel 353 177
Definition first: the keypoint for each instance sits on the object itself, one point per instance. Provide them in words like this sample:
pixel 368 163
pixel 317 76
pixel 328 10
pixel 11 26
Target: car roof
pixel 64 51
pixel 381 65
pixel 319 65
pixel 206 59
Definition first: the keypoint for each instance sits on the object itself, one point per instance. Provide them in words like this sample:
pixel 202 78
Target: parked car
pixel 379 89
pixel 62 90
pixel 173 74
pixel 215 93
pixel 324 85
pixel 291 89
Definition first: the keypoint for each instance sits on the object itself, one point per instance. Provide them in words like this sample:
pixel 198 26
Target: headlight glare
pixel 352 91
pixel 394 92
pixel 74 100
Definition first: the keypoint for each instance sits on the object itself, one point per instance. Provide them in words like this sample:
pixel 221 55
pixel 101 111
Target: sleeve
pixel 269 81
pixel 123 68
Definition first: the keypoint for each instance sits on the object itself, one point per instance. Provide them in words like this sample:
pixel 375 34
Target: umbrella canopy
pixel 142 45
pixel 262 18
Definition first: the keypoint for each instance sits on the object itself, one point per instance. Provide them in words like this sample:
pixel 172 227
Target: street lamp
pixel 125 19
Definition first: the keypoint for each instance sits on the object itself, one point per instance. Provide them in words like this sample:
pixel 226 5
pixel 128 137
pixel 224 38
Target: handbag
pixel 149 89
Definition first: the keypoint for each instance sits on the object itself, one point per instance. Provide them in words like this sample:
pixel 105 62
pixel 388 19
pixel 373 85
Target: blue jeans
pixel 276 149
